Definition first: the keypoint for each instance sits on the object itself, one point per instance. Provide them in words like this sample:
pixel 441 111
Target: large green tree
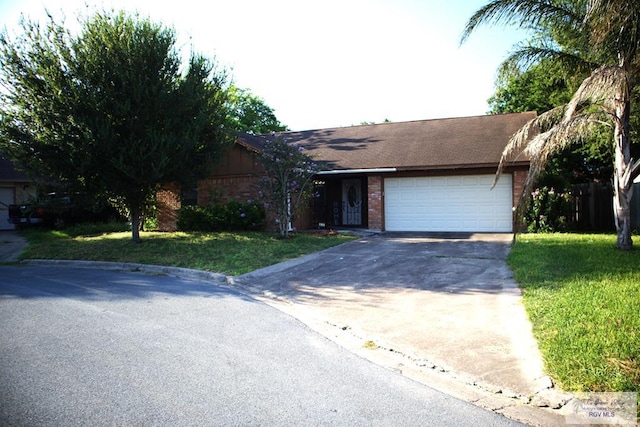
pixel 250 113
pixel 110 110
pixel 539 87
pixel 602 36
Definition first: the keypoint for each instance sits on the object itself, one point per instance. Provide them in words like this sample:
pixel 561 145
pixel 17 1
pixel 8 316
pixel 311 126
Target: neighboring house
pixel 15 187
pixel 430 175
pixel 635 205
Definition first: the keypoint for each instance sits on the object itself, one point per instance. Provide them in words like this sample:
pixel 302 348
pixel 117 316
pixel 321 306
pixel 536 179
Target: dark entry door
pixel 352 202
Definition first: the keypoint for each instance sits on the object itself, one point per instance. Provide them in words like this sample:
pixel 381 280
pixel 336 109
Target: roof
pixel 8 173
pixel 450 143
pixel 252 142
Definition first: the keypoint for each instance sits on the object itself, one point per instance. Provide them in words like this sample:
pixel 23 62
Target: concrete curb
pixel 184 273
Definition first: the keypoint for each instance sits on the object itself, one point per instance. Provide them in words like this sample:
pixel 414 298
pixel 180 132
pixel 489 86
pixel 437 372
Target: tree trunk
pixel 136 212
pixel 282 228
pixel 284 208
pixel 622 177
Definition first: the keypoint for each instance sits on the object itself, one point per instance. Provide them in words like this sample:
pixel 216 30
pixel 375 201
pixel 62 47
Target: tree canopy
pixel 250 113
pixel 540 87
pixel 288 180
pixel 595 38
pixel 110 110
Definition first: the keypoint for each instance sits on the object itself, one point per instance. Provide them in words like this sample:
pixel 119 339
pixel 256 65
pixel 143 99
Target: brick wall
pixel 374 191
pixel 168 204
pixel 240 188
pixel 214 190
pixel 225 189
pixel 519 178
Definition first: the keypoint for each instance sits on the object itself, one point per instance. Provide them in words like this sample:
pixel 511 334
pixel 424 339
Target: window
pixel 189 194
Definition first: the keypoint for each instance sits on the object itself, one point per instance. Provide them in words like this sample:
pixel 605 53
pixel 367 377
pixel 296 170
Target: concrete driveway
pixel 444 303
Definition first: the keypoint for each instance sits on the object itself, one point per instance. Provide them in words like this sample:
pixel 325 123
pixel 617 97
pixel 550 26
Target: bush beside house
pixel 231 216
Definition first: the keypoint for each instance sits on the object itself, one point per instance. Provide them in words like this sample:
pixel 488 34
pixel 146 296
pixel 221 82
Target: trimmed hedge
pixel 232 216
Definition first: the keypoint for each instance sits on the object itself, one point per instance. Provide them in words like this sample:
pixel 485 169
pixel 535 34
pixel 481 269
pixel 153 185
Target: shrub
pixel 194 218
pixel 232 216
pixel 243 216
pixel 549 211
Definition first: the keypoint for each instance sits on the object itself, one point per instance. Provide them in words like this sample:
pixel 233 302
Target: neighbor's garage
pixel 6 199
pixel 448 203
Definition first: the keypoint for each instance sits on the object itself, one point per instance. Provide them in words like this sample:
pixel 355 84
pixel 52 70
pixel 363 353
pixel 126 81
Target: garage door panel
pixel 471 182
pixel 456 203
pixel 6 198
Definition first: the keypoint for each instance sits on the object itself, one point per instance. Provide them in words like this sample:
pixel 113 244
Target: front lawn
pixel 225 252
pixel 583 298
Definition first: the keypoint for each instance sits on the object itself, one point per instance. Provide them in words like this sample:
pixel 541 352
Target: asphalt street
pixel 91 347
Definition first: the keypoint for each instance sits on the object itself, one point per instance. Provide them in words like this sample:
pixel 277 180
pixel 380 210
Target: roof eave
pixel 461 166
pixel 431 168
pixel 354 171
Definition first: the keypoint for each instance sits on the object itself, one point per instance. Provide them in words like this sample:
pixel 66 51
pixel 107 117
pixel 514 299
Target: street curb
pixel 184 273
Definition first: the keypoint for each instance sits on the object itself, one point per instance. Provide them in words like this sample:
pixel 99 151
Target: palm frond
pixel 603 88
pixel 533 132
pixel 557 131
pixel 615 24
pixel 529 54
pixel 521 13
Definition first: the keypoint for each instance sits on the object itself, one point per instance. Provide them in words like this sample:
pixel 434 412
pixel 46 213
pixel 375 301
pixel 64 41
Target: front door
pixel 352 202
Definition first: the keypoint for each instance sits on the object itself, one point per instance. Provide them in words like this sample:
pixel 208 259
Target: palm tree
pixel 601 35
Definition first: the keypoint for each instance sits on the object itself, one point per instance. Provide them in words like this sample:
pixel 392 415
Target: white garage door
pixel 448 203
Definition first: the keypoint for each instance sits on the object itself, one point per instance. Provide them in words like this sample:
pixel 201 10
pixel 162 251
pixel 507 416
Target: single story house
pixel 15 187
pixel 428 175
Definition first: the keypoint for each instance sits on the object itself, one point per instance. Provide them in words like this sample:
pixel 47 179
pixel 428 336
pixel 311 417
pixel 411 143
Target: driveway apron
pixel 11 245
pixel 447 301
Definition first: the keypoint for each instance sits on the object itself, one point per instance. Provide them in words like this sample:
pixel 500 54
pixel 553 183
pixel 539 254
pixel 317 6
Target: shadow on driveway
pixel 449 300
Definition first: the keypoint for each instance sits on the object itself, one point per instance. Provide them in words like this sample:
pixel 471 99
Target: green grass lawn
pixel 226 252
pixel 583 298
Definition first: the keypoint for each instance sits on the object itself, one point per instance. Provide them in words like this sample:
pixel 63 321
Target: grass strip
pixel 583 298
pixel 231 253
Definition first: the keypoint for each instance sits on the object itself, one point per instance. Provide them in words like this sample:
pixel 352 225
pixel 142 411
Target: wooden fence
pixel 593 207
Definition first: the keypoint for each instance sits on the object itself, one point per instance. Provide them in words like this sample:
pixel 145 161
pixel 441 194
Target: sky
pixel 330 63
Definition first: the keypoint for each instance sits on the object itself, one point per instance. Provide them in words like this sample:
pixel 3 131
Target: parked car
pixel 58 210
pixel 27 214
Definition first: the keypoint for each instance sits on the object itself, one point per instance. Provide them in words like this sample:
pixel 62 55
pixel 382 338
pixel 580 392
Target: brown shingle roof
pixel 463 142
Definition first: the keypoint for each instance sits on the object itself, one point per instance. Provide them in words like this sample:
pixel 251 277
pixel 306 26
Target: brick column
pixel 519 177
pixel 374 193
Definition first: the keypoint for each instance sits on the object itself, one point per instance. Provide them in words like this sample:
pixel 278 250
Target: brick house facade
pixel 431 175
